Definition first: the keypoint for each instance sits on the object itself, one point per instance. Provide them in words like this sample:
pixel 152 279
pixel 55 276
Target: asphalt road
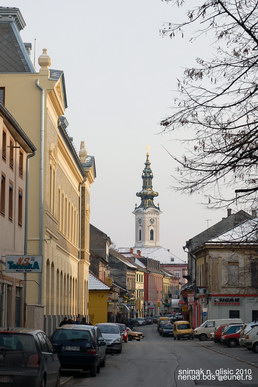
pixel 163 362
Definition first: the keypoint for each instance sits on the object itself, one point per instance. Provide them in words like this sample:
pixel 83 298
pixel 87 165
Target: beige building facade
pixel 59 212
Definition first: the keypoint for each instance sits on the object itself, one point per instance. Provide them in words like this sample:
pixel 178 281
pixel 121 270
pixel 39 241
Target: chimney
pixel 12 14
pixel 83 152
pixel 229 211
pixel 28 47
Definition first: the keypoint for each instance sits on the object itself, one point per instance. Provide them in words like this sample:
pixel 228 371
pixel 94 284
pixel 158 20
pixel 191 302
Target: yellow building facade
pixel 99 294
pixel 59 206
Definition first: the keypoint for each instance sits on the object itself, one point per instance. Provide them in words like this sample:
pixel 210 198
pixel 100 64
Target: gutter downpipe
pixel 26 230
pixel 80 229
pixel 41 188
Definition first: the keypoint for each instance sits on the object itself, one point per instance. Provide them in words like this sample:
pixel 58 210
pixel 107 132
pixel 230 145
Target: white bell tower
pixel 147 213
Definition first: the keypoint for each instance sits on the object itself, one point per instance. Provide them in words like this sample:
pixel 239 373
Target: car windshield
pixel 168 325
pixel 71 335
pixel 232 329
pixel 109 328
pixel 17 342
pixel 183 326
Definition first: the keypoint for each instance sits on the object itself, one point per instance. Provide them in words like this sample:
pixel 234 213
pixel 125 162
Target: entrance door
pixel 254 315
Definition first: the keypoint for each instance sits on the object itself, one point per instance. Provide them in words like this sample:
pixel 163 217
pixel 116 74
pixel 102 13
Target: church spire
pixel 147 194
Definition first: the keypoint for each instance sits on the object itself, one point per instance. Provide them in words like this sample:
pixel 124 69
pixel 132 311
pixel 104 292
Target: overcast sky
pixel 121 78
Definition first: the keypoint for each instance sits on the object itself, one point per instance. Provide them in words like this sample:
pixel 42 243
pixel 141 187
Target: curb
pixel 64 380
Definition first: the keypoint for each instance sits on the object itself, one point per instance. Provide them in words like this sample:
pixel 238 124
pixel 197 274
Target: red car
pixel 218 332
pixel 231 335
pixel 123 332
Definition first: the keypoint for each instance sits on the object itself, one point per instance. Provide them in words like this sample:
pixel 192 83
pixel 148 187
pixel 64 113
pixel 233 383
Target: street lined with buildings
pixel 58 267
pixel 161 361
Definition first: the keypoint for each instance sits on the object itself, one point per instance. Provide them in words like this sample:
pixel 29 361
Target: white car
pixel 244 331
pixel 112 335
pixel 251 339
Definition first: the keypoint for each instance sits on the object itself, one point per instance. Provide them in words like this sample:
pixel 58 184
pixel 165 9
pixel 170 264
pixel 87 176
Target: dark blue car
pixel 77 348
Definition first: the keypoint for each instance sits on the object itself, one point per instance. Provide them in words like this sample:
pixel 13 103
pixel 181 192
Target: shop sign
pixel 190 299
pixel 23 264
pixel 227 301
pixel 184 308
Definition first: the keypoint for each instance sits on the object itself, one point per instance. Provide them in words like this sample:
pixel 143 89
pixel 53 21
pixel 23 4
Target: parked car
pixel 149 320
pixel 133 335
pixel 139 321
pixel 216 335
pixel 155 319
pixel 123 332
pixel 101 344
pixel 161 325
pixel 251 339
pixel 27 358
pixel 112 336
pixel 244 331
pixel 203 331
pixel 161 321
pixel 231 334
pixel 166 329
pixel 182 329
pixel 79 347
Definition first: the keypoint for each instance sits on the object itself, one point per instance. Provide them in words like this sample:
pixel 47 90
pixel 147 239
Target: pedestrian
pixel 64 321
pixel 83 321
pixel 78 320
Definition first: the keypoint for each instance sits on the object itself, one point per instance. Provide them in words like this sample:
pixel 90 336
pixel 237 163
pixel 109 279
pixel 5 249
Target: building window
pixel 21 164
pixel 2 95
pixel 233 273
pixel 20 204
pixel 140 235
pixel 254 273
pixel 2 199
pixel 11 154
pixel 10 211
pixel 152 235
pixel 234 314
pixel 4 145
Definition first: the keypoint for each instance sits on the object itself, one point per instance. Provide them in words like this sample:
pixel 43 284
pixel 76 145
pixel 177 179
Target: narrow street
pixel 158 361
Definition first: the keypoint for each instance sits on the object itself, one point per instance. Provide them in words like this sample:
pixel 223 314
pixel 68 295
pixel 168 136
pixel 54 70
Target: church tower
pixel 147 213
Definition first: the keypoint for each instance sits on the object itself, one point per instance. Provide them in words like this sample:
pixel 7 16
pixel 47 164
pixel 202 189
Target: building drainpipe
pixel 80 226
pixel 41 188
pixel 26 229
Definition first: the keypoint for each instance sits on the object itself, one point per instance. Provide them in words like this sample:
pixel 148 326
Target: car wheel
pixel 255 348
pixel 103 363
pixel 232 343
pixel 119 350
pixel 130 338
pixel 93 370
pixel 203 337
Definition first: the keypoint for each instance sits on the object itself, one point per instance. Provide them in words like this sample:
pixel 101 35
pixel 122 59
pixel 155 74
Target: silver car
pixel 112 335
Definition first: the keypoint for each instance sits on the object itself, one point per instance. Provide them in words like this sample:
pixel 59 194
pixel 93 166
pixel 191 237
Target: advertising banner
pixel 23 264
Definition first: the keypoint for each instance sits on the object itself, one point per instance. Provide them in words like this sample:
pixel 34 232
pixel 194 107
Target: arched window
pixel 152 235
pixel 140 235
